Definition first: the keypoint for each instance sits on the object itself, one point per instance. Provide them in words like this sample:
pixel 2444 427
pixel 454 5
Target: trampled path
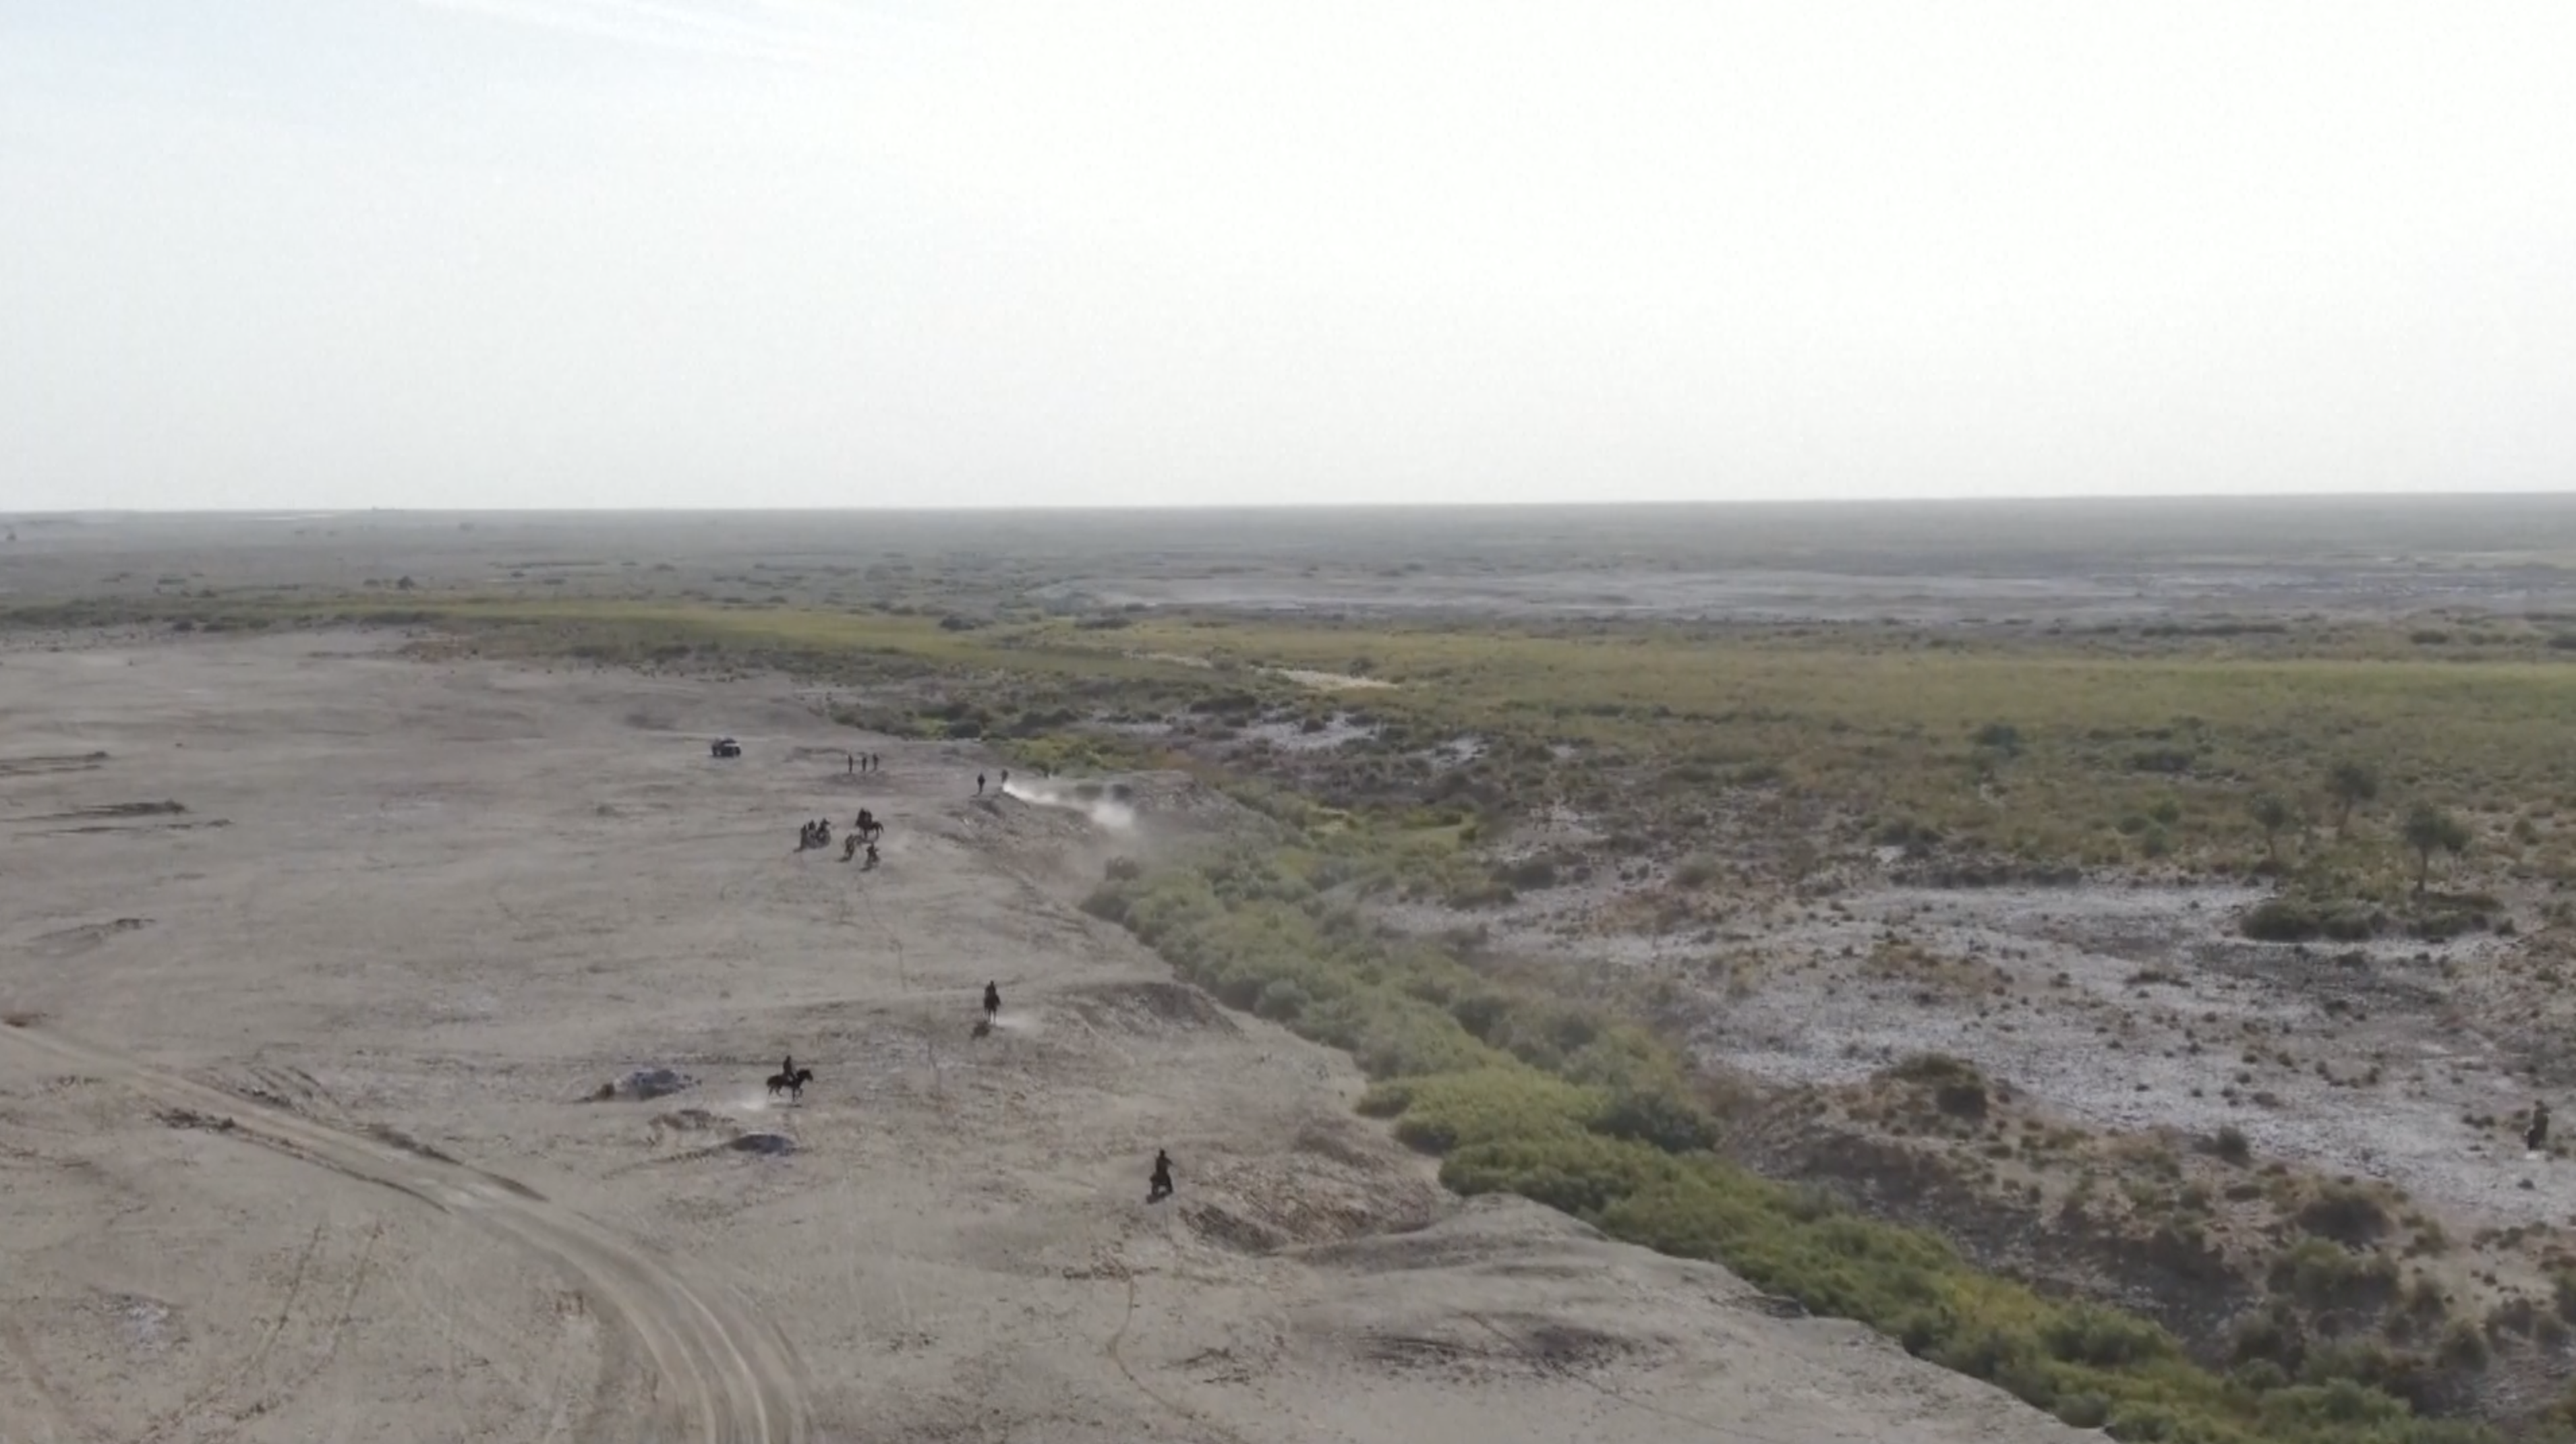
pixel 733 1373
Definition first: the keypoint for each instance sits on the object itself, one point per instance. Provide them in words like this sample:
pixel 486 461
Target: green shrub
pixel 2348 1215
pixel 1656 1116
pixel 2002 737
pixel 1580 1176
pixel 2326 1275
pixel 2086 1335
pixel 2087 1410
pixel 2463 1347
pixel 1480 1013
pixel 1282 1001
pixel 2281 920
pixel 1958 1087
pixel 2270 1335
pixel 1385 1100
pixel 2298 920
pixel 1530 874
pixel 1494 1105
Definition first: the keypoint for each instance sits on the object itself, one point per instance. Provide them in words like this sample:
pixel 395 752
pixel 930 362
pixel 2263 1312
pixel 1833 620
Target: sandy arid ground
pixel 298 1141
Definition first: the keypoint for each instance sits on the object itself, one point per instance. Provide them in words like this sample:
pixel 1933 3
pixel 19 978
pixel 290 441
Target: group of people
pixel 865 829
pixel 791 1079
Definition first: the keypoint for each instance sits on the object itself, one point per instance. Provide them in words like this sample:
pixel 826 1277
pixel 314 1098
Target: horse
pixel 791 1084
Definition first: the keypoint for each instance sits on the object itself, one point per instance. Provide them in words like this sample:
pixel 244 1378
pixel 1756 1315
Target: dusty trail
pixel 737 1376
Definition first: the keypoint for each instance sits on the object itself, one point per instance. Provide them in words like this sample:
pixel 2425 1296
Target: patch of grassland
pixel 2053 748
pixel 2034 751
pixel 2066 751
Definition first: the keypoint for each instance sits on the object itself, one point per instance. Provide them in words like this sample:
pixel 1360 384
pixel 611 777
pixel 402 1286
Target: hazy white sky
pixel 321 253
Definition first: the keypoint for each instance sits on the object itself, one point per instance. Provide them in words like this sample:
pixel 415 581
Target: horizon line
pixel 303 512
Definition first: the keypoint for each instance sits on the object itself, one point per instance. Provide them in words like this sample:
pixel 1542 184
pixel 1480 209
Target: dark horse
pixel 791 1084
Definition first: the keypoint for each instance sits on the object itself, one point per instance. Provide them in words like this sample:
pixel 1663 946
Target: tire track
pixel 732 1373
pixel 57 1406
pixel 316 1360
pixel 1111 1349
pixel 1560 1370
pixel 196 1405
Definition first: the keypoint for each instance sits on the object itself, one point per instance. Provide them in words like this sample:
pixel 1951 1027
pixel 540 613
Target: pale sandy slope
pixel 296 1146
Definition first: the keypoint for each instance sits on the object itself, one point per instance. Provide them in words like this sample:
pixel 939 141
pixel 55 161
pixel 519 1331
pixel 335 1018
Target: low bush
pixel 2345 1214
pixel 2325 1275
pixel 1957 1087
pixel 1281 1000
pixel 2281 920
pixel 1695 871
pixel 2300 920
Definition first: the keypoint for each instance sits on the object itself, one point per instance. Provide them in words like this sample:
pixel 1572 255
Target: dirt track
pixel 732 1369
pixel 299 1082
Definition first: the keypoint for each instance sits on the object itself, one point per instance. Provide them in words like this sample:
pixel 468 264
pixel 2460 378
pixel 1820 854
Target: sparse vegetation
pixel 2352 784
pixel 2272 813
pixel 1522 1092
pixel 1805 735
pixel 1717 762
pixel 2429 830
